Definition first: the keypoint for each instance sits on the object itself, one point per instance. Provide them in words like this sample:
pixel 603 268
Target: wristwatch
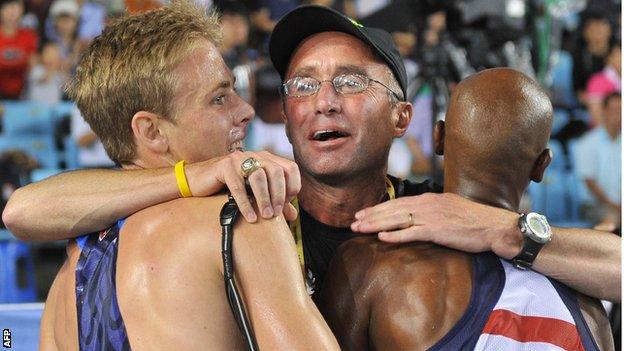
pixel 536 233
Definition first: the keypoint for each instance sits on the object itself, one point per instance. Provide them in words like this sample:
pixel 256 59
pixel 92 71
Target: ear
pixel 403 112
pixel 542 162
pixel 438 137
pixel 148 132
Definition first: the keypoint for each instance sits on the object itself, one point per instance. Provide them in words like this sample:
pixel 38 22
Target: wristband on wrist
pixel 183 185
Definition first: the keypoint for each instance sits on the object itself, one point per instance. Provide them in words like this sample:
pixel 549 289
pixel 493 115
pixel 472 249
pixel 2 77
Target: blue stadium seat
pixel 562 87
pixel 27 117
pixel 17 272
pixel 578 184
pixel 550 197
pixel 71 153
pixel 62 109
pixel 42 148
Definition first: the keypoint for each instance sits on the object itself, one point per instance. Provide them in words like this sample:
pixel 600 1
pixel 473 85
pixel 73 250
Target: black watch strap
pixel 529 252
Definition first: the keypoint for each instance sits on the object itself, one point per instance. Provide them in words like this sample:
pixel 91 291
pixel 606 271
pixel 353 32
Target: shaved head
pixel 497 125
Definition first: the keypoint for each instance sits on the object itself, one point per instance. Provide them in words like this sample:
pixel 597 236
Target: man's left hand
pixel 444 219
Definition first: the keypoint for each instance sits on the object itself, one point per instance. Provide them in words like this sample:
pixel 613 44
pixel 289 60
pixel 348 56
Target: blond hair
pixel 128 68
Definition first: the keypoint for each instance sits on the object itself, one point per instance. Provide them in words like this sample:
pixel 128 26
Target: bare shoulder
pixel 183 225
pixel 169 268
pixel 416 292
pixel 379 260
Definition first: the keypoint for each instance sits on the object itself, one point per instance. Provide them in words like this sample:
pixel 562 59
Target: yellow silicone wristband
pixel 183 186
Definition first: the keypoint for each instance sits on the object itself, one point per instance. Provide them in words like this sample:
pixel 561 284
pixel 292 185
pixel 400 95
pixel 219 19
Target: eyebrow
pixel 224 84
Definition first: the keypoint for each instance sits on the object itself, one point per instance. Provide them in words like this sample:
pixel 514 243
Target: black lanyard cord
pixel 229 213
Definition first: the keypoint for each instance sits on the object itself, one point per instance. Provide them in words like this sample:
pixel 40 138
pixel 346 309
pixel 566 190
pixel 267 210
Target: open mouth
pixel 324 135
pixel 236 146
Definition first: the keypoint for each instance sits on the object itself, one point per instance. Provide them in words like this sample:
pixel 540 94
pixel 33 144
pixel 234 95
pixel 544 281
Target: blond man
pixel 156 91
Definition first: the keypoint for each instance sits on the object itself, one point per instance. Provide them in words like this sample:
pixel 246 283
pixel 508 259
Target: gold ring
pixel 249 166
pixel 411 220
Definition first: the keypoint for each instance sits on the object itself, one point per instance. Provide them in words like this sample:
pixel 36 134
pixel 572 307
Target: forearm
pixel 586 260
pixel 282 313
pixel 75 203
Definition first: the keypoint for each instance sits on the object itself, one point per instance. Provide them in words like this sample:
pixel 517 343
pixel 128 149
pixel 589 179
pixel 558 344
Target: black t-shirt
pixel 320 241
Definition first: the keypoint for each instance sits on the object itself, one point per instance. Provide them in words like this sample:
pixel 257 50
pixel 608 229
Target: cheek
pixel 295 112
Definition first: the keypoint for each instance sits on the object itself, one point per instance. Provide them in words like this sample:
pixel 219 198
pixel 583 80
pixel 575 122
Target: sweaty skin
pixel 89 200
pixel 408 296
pixel 170 285
pixel 169 275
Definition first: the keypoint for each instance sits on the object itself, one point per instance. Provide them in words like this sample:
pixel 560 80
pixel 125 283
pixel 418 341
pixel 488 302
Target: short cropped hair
pixel 129 68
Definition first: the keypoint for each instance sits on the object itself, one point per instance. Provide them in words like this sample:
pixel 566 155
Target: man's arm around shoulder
pixel 186 265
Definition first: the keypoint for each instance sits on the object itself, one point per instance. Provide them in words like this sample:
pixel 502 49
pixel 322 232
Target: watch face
pixel 539 227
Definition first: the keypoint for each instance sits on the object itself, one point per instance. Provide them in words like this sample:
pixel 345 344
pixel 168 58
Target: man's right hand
pixel 273 186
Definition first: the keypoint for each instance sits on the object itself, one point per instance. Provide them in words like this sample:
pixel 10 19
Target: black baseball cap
pixel 305 21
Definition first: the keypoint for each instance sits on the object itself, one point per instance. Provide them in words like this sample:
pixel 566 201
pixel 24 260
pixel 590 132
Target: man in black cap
pixel 344 102
pixel 341 137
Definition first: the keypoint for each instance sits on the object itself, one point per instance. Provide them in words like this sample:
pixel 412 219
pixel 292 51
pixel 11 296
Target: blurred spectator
pixel 599 165
pixel 91 20
pixel 266 13
pixel 237 55
pixel 135 6
pixel 603 83
pixel 267 132
pixel 47 79
pixel 590 54
pixel 91 152
pixel 343 6
pixel 64 15
pixel 39 10
pixel 399 159
pixel 17 47
pixel 365 8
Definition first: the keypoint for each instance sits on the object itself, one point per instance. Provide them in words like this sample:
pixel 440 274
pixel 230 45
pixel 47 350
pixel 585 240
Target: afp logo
pixel 6 338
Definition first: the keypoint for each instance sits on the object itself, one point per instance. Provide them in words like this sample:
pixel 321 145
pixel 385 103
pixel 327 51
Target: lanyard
pixel 295 226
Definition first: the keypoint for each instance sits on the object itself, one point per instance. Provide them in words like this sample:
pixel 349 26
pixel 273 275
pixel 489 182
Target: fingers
pixel 259 186
pixel 291 174
pixel 378 222
pixel 236 184
pixel 273 186
pixel 277 187
pixel 290 212
pixel 381 208
pixel 403 235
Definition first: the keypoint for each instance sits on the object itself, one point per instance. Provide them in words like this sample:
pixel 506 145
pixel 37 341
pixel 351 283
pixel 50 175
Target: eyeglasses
pixel 343 84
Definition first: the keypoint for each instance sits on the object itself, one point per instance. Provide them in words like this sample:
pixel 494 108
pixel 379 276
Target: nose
pixel 327 100
pixel 244 112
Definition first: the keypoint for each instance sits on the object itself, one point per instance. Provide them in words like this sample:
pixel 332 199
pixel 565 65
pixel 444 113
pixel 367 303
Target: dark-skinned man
pixel 421 296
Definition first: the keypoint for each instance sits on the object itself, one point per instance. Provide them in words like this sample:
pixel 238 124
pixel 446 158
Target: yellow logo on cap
pixel 355 23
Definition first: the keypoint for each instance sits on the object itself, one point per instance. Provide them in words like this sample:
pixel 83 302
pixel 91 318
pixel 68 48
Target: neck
pixel 487 191
pixel 613 133
pixel 597 48
pixel 336 205
pixel 9 29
